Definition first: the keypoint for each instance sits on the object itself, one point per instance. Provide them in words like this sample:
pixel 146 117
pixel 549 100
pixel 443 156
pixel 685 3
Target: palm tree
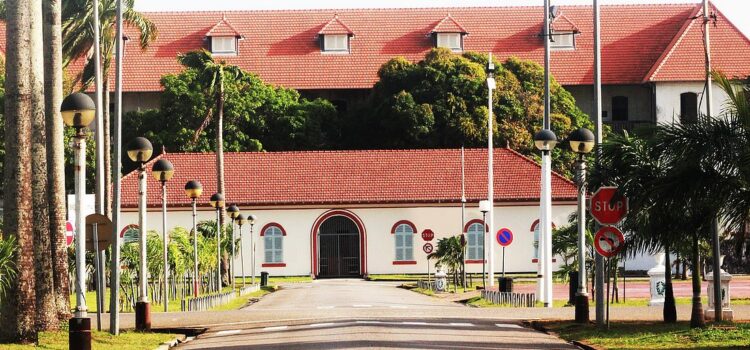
pixel 17 311
pixel 53 93
pixel 78 40
pixel 449 253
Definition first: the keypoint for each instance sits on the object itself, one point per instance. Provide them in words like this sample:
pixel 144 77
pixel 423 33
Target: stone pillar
pixel 441 281
pixel 658 281
pixel 726 311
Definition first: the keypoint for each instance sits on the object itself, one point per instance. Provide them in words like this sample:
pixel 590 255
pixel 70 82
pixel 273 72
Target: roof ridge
pixel 537 164
pixel 672 45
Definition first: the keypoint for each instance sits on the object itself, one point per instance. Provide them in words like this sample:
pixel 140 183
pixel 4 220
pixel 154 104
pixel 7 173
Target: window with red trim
pixel 404 241
pixel 475 241
pixel 273 248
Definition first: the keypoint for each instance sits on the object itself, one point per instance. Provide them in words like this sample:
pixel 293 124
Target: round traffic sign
pixel 608 241
pixel 608 206
pixel 69 233
pixel 428 235
pixel 427 248
pixel 504 237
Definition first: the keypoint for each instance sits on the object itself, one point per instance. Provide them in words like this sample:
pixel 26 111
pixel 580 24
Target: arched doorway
pixel 338 246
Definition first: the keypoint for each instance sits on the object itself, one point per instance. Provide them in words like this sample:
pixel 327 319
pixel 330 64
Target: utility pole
pixel 114 301
pixel 599 261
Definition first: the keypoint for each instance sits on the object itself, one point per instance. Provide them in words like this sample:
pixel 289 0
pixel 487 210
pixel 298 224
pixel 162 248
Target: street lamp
pixel 545 140
pixel 484 206
pixel 233 212
pixel 162 172
pixel 491 85
pixel 251 219
pixel 139 151
pixel 78 110
pixel 217 202
pixel 241 220
pixel 581 142
pixel 194 189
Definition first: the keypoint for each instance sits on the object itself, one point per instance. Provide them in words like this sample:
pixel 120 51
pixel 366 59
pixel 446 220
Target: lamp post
pixel 139 151
pixel 491 85
pixel 545 141
pixel 194 189
pixel 217 202
pixel 241 220
pixel 78 111
pixel 581 142
pixel 251 219
pixel 162 172
pixel 233 211
pixel 484 206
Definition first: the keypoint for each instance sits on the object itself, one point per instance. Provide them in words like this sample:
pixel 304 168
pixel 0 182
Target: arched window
pixel 404 235
pixel 273 247
pixel 688 107
pixel 475 244
pixel 535 229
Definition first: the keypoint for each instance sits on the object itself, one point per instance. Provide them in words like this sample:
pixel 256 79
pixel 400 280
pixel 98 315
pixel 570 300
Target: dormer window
pixel 562 32
pixel 335 36
pixel 448 33
pixel 223 38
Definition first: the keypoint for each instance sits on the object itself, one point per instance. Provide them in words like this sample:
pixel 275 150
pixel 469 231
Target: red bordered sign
pixel 427 248
pixel 504 237
pixel 428 235
pixel 608 241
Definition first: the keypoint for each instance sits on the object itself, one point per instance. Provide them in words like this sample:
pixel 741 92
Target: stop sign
pixel 607 206
pixel 428 235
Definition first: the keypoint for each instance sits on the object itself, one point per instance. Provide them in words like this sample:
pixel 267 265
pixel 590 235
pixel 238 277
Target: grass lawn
pixel 100 340
pixel 243 300
pixel 655 335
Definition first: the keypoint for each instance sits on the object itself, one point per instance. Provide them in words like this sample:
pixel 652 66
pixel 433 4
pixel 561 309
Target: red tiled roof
pixel 449 25
pixel 223 28
pixel 561 23
pixel 639 43
pixel 335 26
pixel 351 177
pixel 684 58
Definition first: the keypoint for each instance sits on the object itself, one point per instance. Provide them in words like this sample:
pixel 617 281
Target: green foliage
pixel 442 102
pixel 448 253
pixel 7 263
pixel 565 245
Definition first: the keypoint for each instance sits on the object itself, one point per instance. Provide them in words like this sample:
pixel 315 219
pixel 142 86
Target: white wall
pixel 668 99
pixel 443 220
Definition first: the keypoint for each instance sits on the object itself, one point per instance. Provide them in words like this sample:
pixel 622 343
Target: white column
pixel 143 272
pixel 165 237
pixel 80 188
pixel 547 227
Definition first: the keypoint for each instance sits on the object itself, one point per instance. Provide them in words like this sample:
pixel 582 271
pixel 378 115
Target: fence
pixel 248 289
pixel 422 284
pixel 213 300
pixel 510 299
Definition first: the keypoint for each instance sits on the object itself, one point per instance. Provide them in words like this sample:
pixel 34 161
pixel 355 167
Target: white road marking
pixel 223 333
pixel 461 324
pixel 505 325
pixel 325 307
pixel 361 305
pixel 321 324
pixel 277 328
pixel 399 306
pixel 415 323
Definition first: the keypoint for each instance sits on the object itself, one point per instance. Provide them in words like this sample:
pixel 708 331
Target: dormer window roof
pixel 449 33
pixel 563 33
pixel 223 38
pixel 335 36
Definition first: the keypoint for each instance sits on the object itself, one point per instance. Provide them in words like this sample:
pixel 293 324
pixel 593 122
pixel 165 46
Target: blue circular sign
pixel 504 237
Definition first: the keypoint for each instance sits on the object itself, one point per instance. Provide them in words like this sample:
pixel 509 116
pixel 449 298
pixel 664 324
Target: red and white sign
pixel 608 241
pixel 427 248
pixel 504 237
pixel 69 233
pixel 428 235
pixel 607 206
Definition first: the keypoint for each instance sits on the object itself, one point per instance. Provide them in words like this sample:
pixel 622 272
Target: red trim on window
pixel 537 260
pixel 362 239
pixel 479 261
pixel 404 262
pixel 536 222
pixel 475 221
pixel 272 224
pixel 273 265
pixel 402 222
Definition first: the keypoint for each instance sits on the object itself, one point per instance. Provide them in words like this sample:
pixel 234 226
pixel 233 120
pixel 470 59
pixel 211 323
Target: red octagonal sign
pixel 428 235
pixel 607 206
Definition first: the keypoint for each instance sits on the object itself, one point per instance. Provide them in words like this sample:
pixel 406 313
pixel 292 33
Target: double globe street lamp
pixel 140 151
pixel 251 219
pixel 545 140
pixel 162 171
pixel 217 202
pixel 233 211
pixel 194 189
pixel 78 111
pixel 241 220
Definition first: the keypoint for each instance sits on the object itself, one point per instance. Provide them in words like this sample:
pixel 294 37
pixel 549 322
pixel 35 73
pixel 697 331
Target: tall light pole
pixel 491 85
pixel 485 207
pixel 241 220
pixel 194 189
pixel 233 212
pixel 217 202
pixel 545 141
pixel 140 151
pixel 162 172
pixel 78 110
pixel 251 219
pixel 598 259
pixel 582 143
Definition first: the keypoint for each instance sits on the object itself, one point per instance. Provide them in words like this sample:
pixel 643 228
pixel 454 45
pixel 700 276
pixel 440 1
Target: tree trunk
pixel 107 147
pixel 220 168
pixel 696 317
pixel 46 315
pixel 18 308
pixel 53 93
pixel 670 309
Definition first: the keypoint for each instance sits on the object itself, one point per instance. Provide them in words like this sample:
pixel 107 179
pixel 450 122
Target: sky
pixel 736 10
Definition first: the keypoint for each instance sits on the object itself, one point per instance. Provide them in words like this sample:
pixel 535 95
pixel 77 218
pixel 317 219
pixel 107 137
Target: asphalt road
pixel 354 314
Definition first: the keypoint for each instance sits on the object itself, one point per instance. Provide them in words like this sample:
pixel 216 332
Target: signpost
pixel 69 233
pixel 428 235
pixel 504 237
pixel 607 206
pixel 427 248
pixel 96 223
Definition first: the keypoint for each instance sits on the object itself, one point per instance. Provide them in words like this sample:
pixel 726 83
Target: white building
pixel 354 213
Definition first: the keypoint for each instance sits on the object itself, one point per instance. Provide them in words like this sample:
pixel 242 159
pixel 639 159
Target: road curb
pixel 174 342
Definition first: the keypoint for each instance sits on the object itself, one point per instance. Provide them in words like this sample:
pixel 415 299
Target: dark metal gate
pixel 338 239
